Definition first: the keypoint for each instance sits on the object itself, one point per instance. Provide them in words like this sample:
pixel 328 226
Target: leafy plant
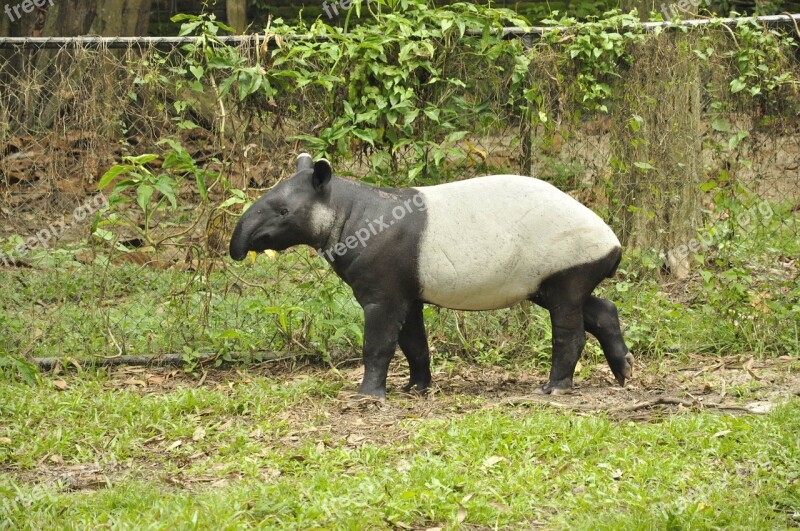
pixel 597 50
pixel 153 192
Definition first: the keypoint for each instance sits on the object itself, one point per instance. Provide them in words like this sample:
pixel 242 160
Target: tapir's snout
pixel 239 245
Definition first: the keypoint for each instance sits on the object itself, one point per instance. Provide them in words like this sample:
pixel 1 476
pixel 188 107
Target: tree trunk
pixel 237 14
pixel 122 18
pixel 47 80
pixel 656 146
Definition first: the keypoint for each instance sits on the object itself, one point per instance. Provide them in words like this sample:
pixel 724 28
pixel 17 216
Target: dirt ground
pixel 731 386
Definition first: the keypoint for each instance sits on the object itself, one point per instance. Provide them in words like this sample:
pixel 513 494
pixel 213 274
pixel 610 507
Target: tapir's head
pixel 294 212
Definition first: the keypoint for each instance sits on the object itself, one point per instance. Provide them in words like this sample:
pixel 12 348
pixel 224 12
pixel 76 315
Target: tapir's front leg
pixel 382 323
pixel 414 344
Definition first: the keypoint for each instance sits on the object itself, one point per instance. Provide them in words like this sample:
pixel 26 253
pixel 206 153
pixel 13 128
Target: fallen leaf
pixel 403 466
pixel 60 385
pixel 133 381
pixel 354 438
pixel 199 433
pixel 749 367
pixel 720 434
pixel 467 498
pixel 155 380
pixel 489 462
pixel 270 473
pixel 461 515
pixel 174 445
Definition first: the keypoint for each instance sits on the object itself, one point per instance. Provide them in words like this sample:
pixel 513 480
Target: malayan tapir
pixel 477 244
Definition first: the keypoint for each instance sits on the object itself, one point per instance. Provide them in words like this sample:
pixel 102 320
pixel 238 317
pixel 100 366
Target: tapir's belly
pixel 490 242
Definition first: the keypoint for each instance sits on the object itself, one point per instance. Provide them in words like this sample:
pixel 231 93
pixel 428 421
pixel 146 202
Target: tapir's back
pixel 490 241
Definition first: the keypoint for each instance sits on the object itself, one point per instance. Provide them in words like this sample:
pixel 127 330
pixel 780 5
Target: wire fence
pixel 676 141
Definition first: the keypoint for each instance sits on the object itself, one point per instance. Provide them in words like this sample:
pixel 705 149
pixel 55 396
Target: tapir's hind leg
pixel 600 319
pixel 414 344
pixel 566 296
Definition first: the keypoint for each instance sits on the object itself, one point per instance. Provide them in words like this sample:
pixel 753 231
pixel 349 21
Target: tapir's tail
pixel 614 258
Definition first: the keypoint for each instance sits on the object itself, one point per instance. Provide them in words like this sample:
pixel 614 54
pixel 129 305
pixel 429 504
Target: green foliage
pixel 152 192
pixel 388 84
pixel 760 62
pixel 209 58
pixel 14 367
pixel 596 51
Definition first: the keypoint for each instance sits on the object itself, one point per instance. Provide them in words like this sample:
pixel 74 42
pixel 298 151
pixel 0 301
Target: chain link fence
pixel 676 154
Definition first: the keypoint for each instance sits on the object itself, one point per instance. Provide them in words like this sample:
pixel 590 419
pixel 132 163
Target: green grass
pixel 271 453
pixel 283 452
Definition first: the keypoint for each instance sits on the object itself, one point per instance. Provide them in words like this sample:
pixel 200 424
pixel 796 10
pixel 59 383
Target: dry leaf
pixel 403 466
pixel 174 445
pixel 461 515
pixel 749 367
pixel 493 460
pixel 354 438
pixel 467 498
pixel 199 433
pixel 133 381
pixel 720 434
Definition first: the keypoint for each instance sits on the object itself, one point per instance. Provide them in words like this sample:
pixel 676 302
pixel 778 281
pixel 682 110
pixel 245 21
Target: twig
pixel 166 360
pixel 672 401
pixel 660 401
pixel 528 400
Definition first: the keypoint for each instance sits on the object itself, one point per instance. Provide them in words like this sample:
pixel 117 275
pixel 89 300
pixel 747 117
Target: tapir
pixel 477 244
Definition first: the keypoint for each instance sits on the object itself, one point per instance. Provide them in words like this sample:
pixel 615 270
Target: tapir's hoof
pixel 416 388
pixel 555 389
pixel 627 370
pixel 364 402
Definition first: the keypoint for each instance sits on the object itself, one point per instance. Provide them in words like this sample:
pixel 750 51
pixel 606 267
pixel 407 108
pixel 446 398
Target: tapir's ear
pixel 304 162
pixel 322 174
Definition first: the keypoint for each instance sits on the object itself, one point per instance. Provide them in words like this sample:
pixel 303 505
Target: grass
pixel 100 450
pixel 255 451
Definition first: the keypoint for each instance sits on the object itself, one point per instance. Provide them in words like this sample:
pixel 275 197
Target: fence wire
pixel 68 114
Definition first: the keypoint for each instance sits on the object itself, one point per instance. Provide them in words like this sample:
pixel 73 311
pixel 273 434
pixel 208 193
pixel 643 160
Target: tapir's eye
pixel 284 211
